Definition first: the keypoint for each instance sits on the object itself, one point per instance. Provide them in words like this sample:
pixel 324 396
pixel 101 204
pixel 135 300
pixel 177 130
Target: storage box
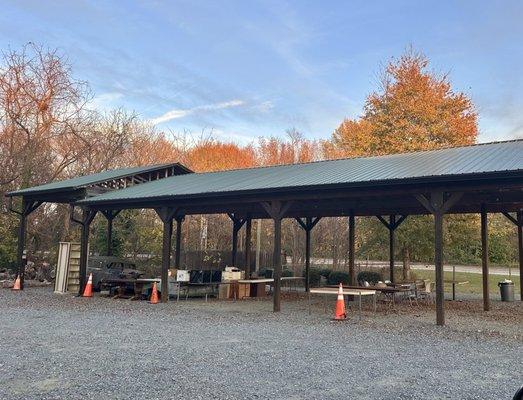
pixel 244 290
pixel 182 275
pixel 224 291
pixel 234 275
pixel 258 289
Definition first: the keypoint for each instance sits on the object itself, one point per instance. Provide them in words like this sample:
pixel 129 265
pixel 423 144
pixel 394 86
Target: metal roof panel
pixel 449 162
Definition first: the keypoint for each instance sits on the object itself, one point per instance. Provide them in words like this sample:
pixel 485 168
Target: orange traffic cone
pixel 339 313
pixel 17 285
pixel 154 295
pixel 88 291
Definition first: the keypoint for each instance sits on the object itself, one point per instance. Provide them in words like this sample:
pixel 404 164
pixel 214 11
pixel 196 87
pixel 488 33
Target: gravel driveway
pixel 59 347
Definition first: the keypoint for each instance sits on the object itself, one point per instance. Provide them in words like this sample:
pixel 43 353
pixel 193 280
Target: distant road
pixel 474 269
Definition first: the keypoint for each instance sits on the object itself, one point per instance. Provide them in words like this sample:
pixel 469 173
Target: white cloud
pixel 106 101
pixel 264 107
pixel 180 113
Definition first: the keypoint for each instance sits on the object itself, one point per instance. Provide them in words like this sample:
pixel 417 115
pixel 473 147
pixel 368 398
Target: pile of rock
pixel 40 274
pixel 41 271
pixel 7 278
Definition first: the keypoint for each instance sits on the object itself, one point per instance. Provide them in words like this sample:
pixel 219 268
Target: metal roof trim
pixel 34 190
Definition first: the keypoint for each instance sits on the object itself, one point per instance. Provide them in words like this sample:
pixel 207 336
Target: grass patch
pixel 475 285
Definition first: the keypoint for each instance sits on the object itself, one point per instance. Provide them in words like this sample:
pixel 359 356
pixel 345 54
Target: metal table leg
pixel 360 306
pixel 453 282
pixel 309 297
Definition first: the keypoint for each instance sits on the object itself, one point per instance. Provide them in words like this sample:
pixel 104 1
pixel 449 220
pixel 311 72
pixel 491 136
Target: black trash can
pixel 506 289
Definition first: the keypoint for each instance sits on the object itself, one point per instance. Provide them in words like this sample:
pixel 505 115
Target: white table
pixel 346 292
pixel 262 280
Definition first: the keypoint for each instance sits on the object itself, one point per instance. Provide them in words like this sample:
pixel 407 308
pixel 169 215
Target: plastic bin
pixel 506 289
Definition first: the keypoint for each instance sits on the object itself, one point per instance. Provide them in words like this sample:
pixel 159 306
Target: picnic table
pixel 360 292
pixel 455 283
pixel 389 291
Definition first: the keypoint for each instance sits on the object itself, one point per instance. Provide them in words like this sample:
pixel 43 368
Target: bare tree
pixel 42 111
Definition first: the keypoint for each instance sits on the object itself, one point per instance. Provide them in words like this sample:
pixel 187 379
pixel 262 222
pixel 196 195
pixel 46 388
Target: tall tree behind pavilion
pixel 414 109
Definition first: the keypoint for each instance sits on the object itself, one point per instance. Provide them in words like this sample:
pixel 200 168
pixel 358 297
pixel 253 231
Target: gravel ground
pixel 59 347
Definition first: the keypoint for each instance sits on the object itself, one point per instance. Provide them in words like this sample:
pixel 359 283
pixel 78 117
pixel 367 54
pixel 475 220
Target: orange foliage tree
pixel 212 155
pixel 415 109
pixel 294 149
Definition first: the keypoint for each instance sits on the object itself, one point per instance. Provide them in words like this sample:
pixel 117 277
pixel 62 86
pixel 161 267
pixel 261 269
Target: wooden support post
pixel 437 205
pixel 110 215
pixel 178 249
pixel 258 244
pixel 277 264
pixel 234 245
pixel 392 224
pixel 307 226
pixel 87 217
pixel 21 258
pixel 237 224
pixel 166 256
pixel 438 263
pixel 307 258
pixel 84 248
pixel 352 248
pixel 276 210
pixel 248 233
pixel 110 236
pixel 485 258
pixel 518 221
pixel 28 206
pixel 166 214
pixel 392 220
pixel 520 250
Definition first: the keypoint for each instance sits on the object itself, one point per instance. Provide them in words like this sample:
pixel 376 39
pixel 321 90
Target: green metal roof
pixel 80 182
pixel 454 162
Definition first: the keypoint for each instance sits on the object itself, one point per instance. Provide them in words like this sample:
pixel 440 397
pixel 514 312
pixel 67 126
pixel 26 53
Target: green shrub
pixel 325 272
pixel 337 277
pixel 265 273
pixel 370 276
pixel 287 272
pixel 314 277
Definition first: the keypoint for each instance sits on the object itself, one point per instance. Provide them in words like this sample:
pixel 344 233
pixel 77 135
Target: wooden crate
pixel 224 291
pixel 244 290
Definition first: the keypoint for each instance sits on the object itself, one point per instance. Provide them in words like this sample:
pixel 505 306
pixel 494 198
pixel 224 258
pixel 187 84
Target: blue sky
pixel 255 68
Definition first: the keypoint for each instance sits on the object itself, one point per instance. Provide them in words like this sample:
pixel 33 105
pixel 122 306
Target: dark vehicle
pixel 105 267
